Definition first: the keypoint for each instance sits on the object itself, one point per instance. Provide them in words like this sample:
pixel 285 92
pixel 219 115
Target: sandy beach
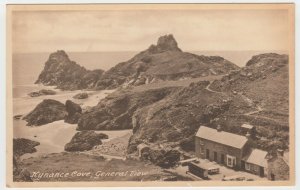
pixel 53 136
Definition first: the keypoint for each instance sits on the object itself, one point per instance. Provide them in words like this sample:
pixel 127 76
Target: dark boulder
pixel 74 112
pixel 22 146
pixel 41 93
pixel 82 95
pixel 17 117
pixel 73 119
pixel 46 112
pixel 103 136
pixel 72 107
pixel 84 140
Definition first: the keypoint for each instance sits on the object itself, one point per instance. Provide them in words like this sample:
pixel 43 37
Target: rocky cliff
pixel 163 61
pixel 116 110
pixel 60 71
pixel 171 114
pixel 263 84
pixel 264 80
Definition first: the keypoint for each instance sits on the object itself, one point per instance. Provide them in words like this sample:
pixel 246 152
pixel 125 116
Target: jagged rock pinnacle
pixel 165 43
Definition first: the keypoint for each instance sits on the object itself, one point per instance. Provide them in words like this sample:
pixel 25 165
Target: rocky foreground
pixel 94 168
pixel 22 146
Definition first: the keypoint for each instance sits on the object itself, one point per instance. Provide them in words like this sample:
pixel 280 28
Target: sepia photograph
pixel 150 94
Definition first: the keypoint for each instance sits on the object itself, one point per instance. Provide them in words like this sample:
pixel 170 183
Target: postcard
pixel 150 95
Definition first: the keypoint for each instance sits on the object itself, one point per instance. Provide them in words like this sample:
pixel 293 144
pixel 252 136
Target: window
pixel 247 166
pixel 201 142
pixel 255 169
pixel 202 150
pixel 229 161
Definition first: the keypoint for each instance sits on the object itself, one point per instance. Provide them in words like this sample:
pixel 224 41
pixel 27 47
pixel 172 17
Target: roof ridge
pixel 222 137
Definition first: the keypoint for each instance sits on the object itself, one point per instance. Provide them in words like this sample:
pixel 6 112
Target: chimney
pixel 219 128
pixel 280 152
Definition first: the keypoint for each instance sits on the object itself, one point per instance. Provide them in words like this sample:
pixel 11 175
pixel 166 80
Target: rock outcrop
pixel 60 71
pixel 46 112
pixel 263 85
pixel 169 114
pixel 42 92
pixel 164 61
pixel 74 112
pixel 267 58
pixel 84 140
pixel 162 158
pixel 82 95
pixel 22 146
pixel 178 116
pixel 264 80
pixel 116 110
pixel 17 117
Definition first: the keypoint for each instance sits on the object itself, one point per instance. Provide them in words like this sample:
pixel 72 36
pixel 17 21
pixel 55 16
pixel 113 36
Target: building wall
pixel 255 169
pixel 219 148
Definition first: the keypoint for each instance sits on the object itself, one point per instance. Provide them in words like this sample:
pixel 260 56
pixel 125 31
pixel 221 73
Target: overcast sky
pixel 209 30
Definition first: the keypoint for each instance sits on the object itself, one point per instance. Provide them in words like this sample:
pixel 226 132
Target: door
pixel 207 154
pixel 222 159
pixel 243 165
pixel 261 172
pixel 215 157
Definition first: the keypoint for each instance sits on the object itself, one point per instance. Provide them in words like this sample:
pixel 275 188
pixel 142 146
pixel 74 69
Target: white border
pixel 3 80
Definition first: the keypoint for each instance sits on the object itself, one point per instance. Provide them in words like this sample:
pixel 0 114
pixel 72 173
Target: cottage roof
pixel 222 137
pixel 257 157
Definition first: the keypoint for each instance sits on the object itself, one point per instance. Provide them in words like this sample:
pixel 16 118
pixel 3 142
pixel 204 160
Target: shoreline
pixel 53 136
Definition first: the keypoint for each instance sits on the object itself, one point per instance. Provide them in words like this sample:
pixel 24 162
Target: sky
pixel 134 30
